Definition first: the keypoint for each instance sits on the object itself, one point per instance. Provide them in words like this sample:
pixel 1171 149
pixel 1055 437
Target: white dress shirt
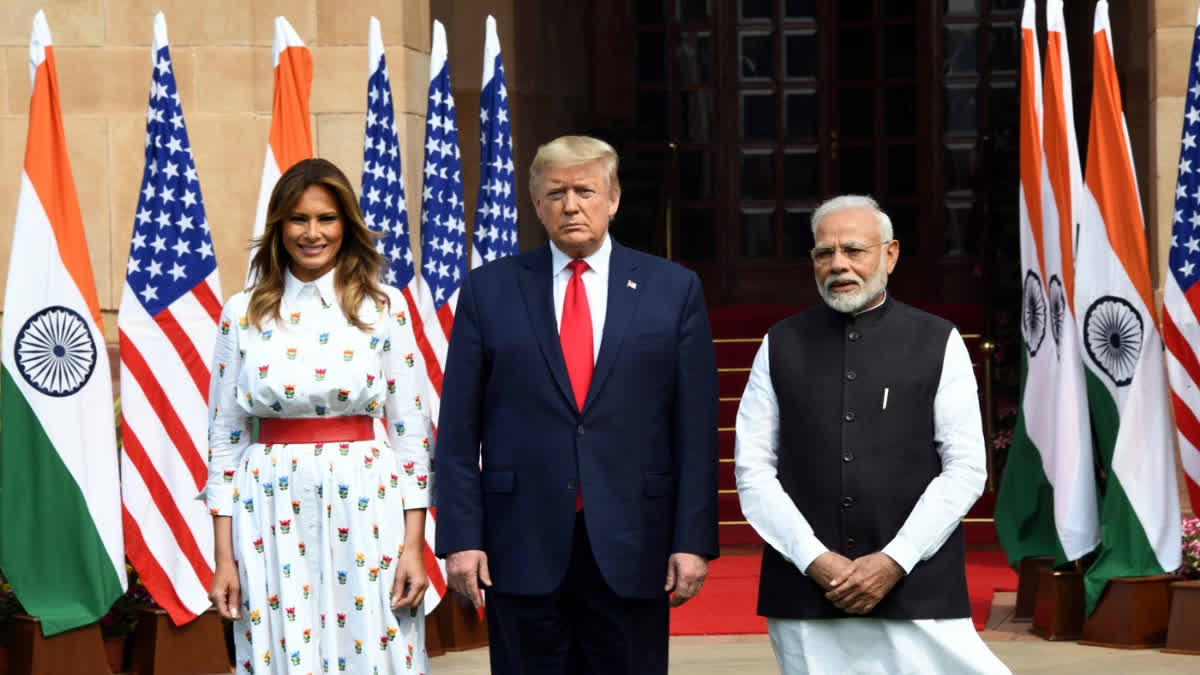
pixel 957 433
pixel 595 284
pixel 861 645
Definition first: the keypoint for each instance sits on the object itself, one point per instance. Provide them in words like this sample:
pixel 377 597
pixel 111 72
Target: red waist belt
pixel 316 429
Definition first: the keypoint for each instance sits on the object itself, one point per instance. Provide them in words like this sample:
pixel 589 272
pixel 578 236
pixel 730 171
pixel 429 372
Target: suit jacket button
pixel 849 543
pixel 571 485
pixel 847 502
pixel 851 375
pixel 579 429
pixel 847 456
pixel 849 416
pixel 854 336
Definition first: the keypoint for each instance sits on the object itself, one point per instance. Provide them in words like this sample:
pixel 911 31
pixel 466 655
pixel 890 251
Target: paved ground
pixel 1012 642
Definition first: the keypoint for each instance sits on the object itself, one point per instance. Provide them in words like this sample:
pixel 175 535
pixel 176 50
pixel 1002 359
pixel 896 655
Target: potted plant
pixel 1191 549
pixel 118 624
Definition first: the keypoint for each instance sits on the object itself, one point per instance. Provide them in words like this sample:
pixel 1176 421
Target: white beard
pixel 852 302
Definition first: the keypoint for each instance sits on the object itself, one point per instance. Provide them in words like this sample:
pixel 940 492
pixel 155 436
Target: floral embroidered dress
pixel 318 528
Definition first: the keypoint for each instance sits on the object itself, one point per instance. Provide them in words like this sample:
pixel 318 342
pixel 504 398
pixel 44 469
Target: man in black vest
pixel 859 450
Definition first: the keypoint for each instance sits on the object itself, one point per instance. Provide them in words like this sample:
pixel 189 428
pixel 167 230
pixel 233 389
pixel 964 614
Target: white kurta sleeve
pixel 768 509
pixel 958 433
pixel 410 430
pixel 229 426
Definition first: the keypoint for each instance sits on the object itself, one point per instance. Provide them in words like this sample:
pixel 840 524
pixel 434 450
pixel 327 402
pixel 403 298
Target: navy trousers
pixel 582 628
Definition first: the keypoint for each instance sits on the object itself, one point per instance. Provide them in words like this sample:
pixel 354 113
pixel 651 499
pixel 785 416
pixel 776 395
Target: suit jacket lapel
pixel 538 293
pixel 622 302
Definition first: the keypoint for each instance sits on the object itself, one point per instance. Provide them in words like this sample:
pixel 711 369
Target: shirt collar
pixel 598 261
pixel 293 288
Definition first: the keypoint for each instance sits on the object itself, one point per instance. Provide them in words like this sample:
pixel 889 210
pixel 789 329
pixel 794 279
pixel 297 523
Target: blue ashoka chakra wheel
pixel 1112 336
pixel 55 352
pixel 1058 308
pixel 1033 313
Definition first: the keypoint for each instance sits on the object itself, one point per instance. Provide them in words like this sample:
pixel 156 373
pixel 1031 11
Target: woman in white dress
pixel 319 525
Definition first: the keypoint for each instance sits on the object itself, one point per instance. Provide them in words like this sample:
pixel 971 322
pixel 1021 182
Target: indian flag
pixel 1047 500
pixel 60 499
pixel 290 139
pixel 1123 351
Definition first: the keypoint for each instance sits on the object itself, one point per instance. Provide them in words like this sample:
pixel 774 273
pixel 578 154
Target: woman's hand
pixel 411 581
pixel 226 590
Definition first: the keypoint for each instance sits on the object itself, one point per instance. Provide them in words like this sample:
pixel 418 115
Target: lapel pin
pixel 631 284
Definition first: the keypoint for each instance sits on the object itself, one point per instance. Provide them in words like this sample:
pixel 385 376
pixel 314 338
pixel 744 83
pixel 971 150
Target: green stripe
pixel 50 549
pixel 1125 550
pixel 1025 501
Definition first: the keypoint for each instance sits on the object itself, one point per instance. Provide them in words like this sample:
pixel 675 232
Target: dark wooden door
pixel 748 113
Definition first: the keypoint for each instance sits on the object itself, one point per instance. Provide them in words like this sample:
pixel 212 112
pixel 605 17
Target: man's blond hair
pixel 573 151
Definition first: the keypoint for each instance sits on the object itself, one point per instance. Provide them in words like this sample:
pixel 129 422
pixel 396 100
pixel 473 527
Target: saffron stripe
pixel 291 134
pixel 162 407
pixel 188 355
pixel 49 169
pixel 1109 175
pixel 1058 159
pixel 161 494
pixel 153 577
pixel 1030 151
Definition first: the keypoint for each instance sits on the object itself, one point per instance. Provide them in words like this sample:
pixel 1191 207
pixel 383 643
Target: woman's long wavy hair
pixel 358 266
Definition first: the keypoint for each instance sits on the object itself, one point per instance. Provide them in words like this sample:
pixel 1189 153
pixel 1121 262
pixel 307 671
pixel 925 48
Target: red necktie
pixel 575 334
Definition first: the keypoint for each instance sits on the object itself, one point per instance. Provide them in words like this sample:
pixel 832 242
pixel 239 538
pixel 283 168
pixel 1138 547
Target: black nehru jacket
pixel 854 467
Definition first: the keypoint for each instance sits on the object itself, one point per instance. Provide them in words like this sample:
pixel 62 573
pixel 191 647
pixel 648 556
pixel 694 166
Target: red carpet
pixel 987 572
pixel 726 605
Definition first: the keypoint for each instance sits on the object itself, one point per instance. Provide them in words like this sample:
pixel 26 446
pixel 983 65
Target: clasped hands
pixel 467 572
pixel 855 586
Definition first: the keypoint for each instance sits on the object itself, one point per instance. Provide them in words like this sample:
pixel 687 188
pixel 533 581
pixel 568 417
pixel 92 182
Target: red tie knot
pixel 577 265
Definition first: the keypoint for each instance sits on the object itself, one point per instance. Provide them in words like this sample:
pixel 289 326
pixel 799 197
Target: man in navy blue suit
pixel 583 374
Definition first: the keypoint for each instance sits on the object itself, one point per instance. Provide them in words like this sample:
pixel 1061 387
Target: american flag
pixel 383 207
pixel 496 210
pixel 167 322
pixel 443 230
pixel 1181 293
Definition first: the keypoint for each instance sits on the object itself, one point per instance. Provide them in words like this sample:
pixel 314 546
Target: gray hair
pixel 854 202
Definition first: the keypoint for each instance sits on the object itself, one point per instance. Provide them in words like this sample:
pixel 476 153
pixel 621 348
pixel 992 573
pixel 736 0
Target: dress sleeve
pixel 229 426
pixel 410 429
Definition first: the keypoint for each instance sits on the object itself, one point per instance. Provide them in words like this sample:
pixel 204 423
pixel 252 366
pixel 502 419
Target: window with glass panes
pixel 779 152
pixel 675 44
pixel 981 47
pixel 749 113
